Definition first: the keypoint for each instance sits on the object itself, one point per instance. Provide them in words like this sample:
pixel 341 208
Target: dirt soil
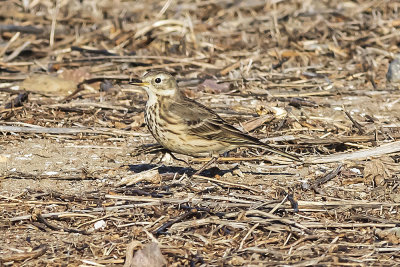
pixel 309 77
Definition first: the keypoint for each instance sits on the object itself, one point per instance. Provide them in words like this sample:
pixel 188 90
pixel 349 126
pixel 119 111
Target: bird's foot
pixel 208 164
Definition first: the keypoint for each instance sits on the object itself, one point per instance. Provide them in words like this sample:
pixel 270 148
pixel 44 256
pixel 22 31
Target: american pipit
pixel 185 126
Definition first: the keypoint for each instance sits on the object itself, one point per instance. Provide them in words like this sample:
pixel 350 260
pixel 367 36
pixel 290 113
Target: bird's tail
pixel 276 151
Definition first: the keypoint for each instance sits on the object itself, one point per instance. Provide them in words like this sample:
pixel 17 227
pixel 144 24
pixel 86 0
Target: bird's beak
pixel 139 83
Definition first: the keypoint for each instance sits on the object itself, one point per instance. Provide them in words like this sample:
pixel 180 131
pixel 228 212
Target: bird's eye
pixel 157 80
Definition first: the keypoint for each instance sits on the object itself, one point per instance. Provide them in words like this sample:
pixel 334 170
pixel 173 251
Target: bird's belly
pixel 191 145
pixel 174 136
pixel 176 140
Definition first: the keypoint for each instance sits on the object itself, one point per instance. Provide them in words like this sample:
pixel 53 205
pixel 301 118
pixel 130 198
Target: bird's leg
pixel 178 159
pixel 211 161
pixel 163 153
pixel 151 149
pixel 146 149
pixel 155 149
pixel 158 157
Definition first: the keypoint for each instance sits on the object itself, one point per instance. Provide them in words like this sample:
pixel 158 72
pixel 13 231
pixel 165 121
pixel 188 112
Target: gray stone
pixel 393 73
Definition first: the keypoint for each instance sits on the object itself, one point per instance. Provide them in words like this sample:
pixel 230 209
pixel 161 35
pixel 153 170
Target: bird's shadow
pixel 210 172
pixel 162 169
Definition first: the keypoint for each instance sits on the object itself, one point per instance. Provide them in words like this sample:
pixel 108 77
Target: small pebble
pixel 393 73
pixel 100 225
pixel 106 86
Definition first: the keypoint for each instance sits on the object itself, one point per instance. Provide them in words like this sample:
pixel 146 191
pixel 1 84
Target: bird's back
pixel 205 123
pixel 209 133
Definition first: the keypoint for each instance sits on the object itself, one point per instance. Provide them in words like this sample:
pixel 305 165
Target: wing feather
pixel 205 123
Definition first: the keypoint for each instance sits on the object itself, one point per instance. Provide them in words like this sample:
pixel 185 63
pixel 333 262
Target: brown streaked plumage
pixel 185 126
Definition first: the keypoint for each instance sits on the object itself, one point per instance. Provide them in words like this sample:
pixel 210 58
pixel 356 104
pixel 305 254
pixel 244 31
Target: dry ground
pixel 307 76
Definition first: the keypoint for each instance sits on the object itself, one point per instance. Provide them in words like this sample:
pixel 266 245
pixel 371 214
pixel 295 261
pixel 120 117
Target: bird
pixel 182 125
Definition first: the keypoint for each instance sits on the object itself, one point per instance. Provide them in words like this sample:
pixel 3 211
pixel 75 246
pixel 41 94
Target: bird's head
pixel 158 83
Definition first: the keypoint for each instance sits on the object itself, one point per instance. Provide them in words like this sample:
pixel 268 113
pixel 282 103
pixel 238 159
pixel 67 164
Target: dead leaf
pixel 120 125
pixel 395 197
pixel 237 261
pixel 252 124
pixel 149 256
pixel 392 235
pixel 375 171
pixel 151 176
pixel 211 86
pixel 269 114
pixel 138 120
pixel 76 75
pixel 48 84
